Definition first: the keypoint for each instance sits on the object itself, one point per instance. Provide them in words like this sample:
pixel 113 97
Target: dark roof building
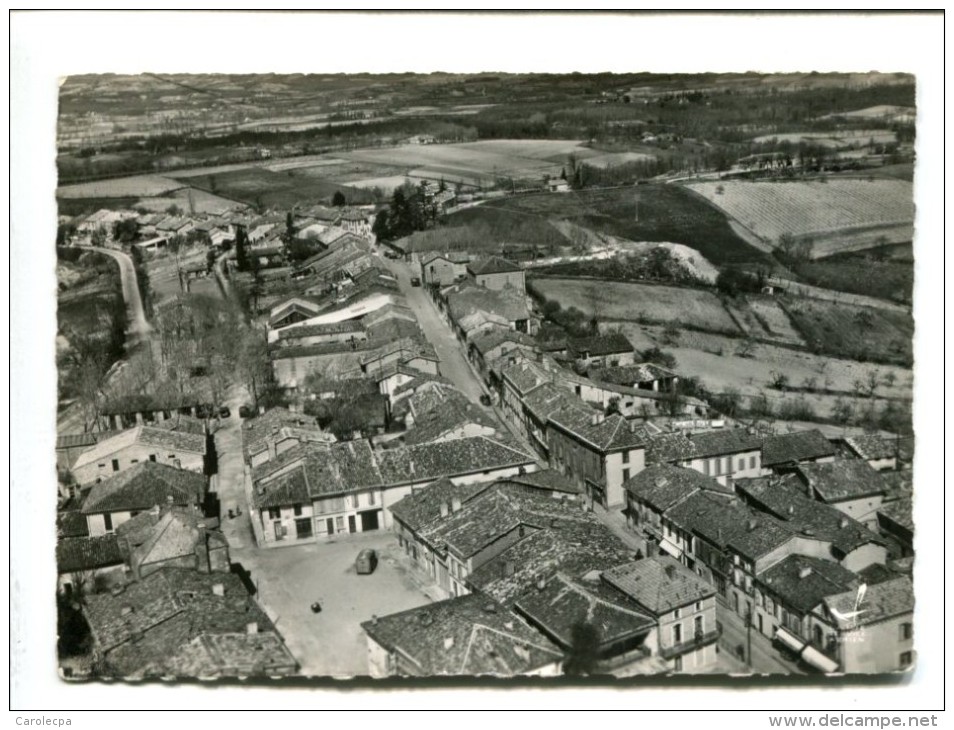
pixel 81 554
pixel 721 443
pixel 471 635
pixel 843 480
pixel 663 486
pixel 802 582
pixel 659 585
pixel 613 343
pixel 492 265
pixel 795 447
pixel 144 485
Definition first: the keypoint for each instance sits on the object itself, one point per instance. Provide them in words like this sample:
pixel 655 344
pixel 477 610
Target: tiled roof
pixel 313 330
pixel 485 342
pixel 549 398
pixel 492 265
pixel 789 448
pixel 612 343
pixel 899 512
pixel 183 423
pixel 547 480
pixel 75 554
pixel 785 499
pixel 423 506
pixel 77 440
pixel 151 619
pixel 842 480
pixel 562 603
pixel 470 635
pixel 575 545
pixel 726 522
pixel 449 458
pixel 454 411
pixel 228 655
pixel 525 375
pixel 871 446
pixel 665 448
pixel 143 486
pixel 719 443
pixel 608 434
pixel 663 486
pixel 660 584
pixel 879 602
pixel 147 435
pixel 420 381
pixel 466 299
pixel 175 534
pixel 646 372
pixel 802 582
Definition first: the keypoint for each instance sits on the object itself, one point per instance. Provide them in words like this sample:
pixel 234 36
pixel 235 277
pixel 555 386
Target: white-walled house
pixel 137 445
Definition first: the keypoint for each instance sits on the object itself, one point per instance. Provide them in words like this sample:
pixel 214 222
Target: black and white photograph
pixel 486 374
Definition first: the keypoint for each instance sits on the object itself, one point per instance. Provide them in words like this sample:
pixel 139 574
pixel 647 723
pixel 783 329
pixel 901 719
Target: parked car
pixel 366 562
pixel 415 281
pixel 246 410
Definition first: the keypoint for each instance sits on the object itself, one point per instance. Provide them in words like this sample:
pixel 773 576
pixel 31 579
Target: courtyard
pixel 290 579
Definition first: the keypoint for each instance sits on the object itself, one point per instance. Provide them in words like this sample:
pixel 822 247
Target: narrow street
pixel 454 365
pixel 765 658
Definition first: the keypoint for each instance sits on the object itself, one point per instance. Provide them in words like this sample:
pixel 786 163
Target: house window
pixel 699 626
pixel 677 613
pixel 741 464
pixel 172 456
pixel 625 475
pixel 102 466
pixel 133 513
pixel 677 634
pixel 134 461
pixel 115 464
pixel 705 467
pixel 698 605
pixel 339 523
pixel 906 631
pixel 297 510
pixel 370 497
pixel 905 659
pixel 625 457
pixel 751 462
pixel 274 513
pixel 108 522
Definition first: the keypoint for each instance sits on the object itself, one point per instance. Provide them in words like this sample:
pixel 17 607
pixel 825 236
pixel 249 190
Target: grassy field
pixel 624 301
pixel 123 187
pixel 664 213
pixel 839 214
pixel 264 188
pixel 859 333
pixel 860 273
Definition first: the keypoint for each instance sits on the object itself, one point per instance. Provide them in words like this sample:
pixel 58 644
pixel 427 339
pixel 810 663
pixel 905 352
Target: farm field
pixel 123 187
pixel 832 212
pixel 858 333
pixel 260 187
pixel 720 368
pixel 833 140
pixel 752 319
pixel 860 273
pixel 655 213
pixel 472 161
pixel 187 199
pixel 616 158
pixel 624 301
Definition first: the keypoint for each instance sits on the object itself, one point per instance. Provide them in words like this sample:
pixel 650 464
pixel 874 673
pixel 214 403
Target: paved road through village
pixel 453 365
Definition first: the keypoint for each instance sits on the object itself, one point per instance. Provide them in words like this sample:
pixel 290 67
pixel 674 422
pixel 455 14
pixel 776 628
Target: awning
pixel 673 550
pixel 815 658
pixel 792 642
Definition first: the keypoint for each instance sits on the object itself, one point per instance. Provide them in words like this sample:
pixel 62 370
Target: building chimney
pixel 508 625
pixel 455 503
pixel 445 509
pixel 126 610
pixel 752 525
pixel 805 572
pixel 374 619
pixel 541 583
pixel 251 627
pixel 448 643
pixel 671 571
pixel 843 523
pixel 791 509
pixel 490 608
pixel 218 589
pixel 661 481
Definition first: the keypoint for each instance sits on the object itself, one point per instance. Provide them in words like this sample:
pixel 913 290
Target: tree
pixel 65 233
pixel 98 236
pixel 583 653
pixel 338 200
pixel 843 412
pixel 241 248
pixel 779 380
pixel 174 210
